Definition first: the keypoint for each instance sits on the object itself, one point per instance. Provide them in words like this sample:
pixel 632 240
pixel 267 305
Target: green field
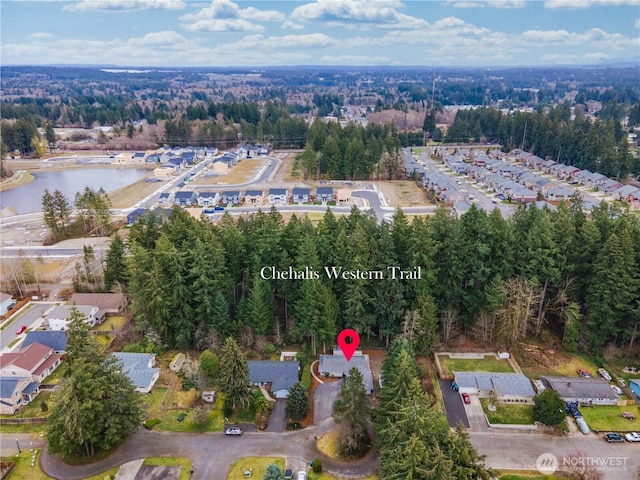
pixel 608 419
pixel 488 364
pixel 258 464
pixel 509 414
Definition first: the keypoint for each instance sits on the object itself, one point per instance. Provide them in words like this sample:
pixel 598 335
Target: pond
pixel 28 198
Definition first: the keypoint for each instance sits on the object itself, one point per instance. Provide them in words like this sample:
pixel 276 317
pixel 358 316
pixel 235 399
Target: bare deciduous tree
pixel 517 314
pixel 449 320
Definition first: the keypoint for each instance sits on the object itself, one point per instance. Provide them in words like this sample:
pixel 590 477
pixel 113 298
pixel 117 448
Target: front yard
pixel 609 419
pixel 257 465
pixel 509 414
pixel 487 364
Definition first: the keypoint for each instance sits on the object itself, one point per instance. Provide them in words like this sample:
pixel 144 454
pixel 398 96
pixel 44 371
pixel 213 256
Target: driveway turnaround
pixel 453 406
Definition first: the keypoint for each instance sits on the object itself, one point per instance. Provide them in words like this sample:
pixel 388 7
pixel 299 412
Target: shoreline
pixel 18 179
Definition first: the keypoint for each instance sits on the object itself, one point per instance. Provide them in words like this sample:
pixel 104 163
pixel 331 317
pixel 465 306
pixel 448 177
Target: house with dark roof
pixel 300 195
pixel 508 387
pixel 208 199
pixel 280 376
pixel 231 197
pixel 185 198
pixel 15 393
pixel 138 367
pixel 54 339
pixel 164 199
pixel 337 365
pixel 135 215
pixel 253 197
pixel 278 195
pixel 325 194
pixel 595 391
pixel 559 194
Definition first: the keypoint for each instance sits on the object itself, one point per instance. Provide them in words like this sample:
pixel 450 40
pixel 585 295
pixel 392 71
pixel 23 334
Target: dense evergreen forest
pixel 482 276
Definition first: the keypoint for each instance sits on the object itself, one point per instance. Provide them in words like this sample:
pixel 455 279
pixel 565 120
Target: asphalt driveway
pixel 278 418
pixel 324 397
pixel 453 406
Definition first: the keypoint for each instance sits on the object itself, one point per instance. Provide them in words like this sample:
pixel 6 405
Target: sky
pixel 229 33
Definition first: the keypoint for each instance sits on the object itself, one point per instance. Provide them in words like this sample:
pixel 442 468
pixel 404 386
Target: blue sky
pixel 319 32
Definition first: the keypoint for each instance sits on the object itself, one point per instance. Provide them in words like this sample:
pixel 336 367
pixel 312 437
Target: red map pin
pixel 348 341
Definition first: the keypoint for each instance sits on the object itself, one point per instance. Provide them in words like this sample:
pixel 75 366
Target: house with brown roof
pixel 36 362
pixel 109 303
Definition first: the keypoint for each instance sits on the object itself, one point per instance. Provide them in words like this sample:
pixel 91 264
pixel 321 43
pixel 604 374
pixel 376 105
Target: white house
pixel 58 318
pixel 6 303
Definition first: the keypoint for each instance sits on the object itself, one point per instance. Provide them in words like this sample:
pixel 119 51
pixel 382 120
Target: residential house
pixel 231 197
pixel 280 376
pixel 138 367
pixel 164 200
pixel 185 198
pixel 460 208
pixel 300 195
pixel 337 365
pixel 6 303
pixel 219 166
pixel 508 387
pixel 15 393
pixel 138 157
pixel 35 361
pixel 325 194
pixel 547 165
pixel 208 199
pixel 567 172
pixel 628 193
pixel 58 318
pixel 278 195
pixel 609 185
pixel 253 197
pixel 135 215
pixel 541 205
pixel 559 194
pixel 53 339
pixel 109 303
pixel 594 391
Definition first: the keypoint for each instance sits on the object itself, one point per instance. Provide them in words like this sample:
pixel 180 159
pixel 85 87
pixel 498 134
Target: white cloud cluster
pixel 225 15
pixel 123 5
pixel 576 4
pixel 486 3
pixel 356 14
pixel 41 35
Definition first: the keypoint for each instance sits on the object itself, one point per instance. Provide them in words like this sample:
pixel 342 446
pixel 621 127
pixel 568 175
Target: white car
pixel 632 437
pixel 618 390
pixel 233 432
pixel 302 475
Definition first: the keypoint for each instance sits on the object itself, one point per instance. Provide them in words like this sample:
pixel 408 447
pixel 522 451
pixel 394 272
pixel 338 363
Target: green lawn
pixel 33 409
pixel 608 419
pixel 517 475
pixel 23 469
pixel 259 465
pixel 156 405
pixel 489 364
pixel 509 414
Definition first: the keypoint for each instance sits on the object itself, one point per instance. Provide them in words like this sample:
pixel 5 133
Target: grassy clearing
pixel 24 428
pixel 157 405
pixel 524 475
pixel 17 180
pixel 244 171
pixel 33 409
pixel 509 414
pixel 259 465
pixel 131 194
pixel 403 194
pixel 608 419
pixel 111 323
pixel 23 469
pixel 185 463
pixel 489 364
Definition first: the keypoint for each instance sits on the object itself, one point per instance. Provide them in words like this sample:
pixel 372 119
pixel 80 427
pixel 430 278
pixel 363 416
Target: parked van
pixel 582 425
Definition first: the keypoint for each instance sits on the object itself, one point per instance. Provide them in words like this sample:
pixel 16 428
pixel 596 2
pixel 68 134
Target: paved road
pixel 453 406
pixel 212 454
pixel 29 318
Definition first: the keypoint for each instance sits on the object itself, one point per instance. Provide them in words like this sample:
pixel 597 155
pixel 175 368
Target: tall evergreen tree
pixel 297 402
pixel 234 375
pixel 353 413
pixel 115 270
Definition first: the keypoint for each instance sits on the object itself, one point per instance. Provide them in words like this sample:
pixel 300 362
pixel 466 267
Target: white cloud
pixel 260 42
pixel 166 38
pixel 357 14
pixel 288 24
pixel 41 35
pixel 594 38
pixel 355 60
pixel 637 23
pixel 225 15
pixel 576 4
pixel 486 3
pixel 123 5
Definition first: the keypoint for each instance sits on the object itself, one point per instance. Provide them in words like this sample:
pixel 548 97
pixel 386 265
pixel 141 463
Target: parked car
pixel 604 374
pixel 233 432
pixel 21 329
pixel 288 475
pixel 466 398
pixel 582 425
pixel 614 438
pixel 632 437
pixel 584 373
pixel 618 390
pixel 302 475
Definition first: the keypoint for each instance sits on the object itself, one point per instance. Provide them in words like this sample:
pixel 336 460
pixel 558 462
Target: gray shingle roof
pixel 54 339
pixel 324 191
pixel 135 366
pixel 63 311
pixel 301 191
pixel 338 364
pixel 8 386
pixel 502 383
pixel 281 375
pixel 580 387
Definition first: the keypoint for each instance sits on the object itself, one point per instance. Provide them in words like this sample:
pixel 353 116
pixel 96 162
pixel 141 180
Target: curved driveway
pixel 212 454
